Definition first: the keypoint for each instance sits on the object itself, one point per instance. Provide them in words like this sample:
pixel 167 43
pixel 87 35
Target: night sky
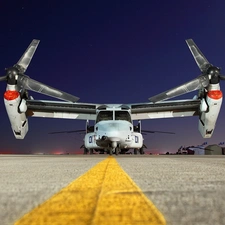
pixel 110 52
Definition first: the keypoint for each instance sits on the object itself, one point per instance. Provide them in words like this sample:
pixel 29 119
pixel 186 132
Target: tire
pixel 85 151
pixel 142 151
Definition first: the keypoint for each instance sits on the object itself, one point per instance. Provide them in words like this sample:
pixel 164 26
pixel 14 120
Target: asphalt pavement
pixel 185 189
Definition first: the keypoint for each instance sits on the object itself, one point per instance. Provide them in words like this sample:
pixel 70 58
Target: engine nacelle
pixel 17 118
pixel 207 119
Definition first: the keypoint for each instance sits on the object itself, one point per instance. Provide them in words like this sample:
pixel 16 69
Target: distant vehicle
pixel 191 150
pixel 182 150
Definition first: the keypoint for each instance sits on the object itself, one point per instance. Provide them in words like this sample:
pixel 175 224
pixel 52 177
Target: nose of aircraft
pixel 113 126
pixel 113 130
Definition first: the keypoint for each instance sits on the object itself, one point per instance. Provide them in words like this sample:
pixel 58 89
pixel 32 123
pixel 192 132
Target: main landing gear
pixel 141 150
pixel 90 151
pixel 86 151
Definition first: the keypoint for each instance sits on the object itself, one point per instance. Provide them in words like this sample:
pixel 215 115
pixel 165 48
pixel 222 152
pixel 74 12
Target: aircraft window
pixel 104 115
pixel 122 115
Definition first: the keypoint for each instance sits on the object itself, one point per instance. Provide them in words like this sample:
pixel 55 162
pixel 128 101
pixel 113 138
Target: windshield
pixel 122 115
pixel 104 115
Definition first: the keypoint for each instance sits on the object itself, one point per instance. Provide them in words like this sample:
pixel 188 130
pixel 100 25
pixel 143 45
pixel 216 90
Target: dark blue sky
pixel 111 52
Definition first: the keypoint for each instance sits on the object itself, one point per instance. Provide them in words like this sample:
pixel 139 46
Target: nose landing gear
pixel 114 149
pixel 117 150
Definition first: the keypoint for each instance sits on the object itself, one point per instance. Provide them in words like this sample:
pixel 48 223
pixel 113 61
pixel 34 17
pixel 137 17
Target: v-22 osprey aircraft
pixel 114 130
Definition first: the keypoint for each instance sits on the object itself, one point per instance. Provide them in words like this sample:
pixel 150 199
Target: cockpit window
pixel 104 115
pixel 122 115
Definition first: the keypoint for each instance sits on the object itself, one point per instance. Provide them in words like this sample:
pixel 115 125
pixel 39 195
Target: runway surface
pixel 97 189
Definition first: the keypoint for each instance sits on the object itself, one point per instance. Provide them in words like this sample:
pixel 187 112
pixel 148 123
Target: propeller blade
pixel 200 59
pixel 3 78
pixel 27 56
pixel 27 83
pixel 66 132
pixel 197 83
pixel 153 131
pixel 222 77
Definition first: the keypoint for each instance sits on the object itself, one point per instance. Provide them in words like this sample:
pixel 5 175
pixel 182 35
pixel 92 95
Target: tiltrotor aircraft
pixel 114 130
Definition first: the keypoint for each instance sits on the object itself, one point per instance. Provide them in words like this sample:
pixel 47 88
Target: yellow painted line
pixel 103 195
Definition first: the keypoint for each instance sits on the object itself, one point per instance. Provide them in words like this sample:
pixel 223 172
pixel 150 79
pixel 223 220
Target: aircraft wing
pixel 87 111
pixel 59 109
pixel 165 109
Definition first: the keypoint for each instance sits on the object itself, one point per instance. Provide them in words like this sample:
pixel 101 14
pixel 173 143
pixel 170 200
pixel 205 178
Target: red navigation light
pixel 215 94
pixel 11 95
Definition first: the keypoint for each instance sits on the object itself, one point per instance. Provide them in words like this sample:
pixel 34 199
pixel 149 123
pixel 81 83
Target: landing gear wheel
pixel 110 151
pixel 135 151
pixel 122 151
pixel 85 151
pixel 102 151
pixel 91 151
pixel 142 151
pixel 117 151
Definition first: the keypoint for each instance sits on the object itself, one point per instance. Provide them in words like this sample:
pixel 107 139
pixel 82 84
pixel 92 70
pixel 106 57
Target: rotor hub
pixel 11 75
pixel 213 70
pixel 215 74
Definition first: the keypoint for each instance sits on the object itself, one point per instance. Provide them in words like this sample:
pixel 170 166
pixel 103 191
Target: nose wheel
pixel 117 151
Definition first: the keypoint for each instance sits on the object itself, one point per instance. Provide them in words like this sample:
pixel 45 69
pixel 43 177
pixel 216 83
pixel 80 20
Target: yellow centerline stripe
pixel 103 195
